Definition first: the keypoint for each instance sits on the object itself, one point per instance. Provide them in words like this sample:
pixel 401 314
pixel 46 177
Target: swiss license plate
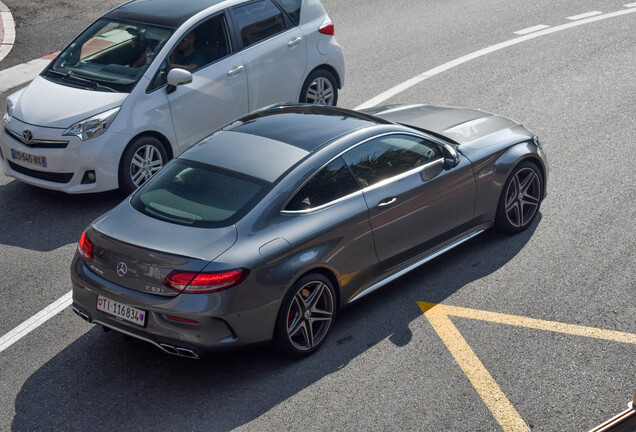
pixel 29 158
pixel 120 310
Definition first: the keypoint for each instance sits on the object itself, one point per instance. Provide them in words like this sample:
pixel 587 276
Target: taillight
pixel 327 27
pixel 205 282
pixel 85 247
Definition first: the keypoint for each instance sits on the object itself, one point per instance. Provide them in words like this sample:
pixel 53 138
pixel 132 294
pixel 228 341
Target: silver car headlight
pixel 92 127
pixel 8 110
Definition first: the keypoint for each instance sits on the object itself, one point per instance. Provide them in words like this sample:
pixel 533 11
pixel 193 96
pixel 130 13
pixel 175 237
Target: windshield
pixel 108 56
pixel 192 193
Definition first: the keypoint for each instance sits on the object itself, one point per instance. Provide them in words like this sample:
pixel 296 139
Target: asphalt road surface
pixel 560 356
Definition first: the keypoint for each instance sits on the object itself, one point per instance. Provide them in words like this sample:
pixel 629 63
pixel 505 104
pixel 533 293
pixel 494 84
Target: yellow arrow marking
pixel 496 401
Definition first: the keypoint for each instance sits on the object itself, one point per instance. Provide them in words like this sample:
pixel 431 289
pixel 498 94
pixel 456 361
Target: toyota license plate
pixel 28 158
pixel 122 311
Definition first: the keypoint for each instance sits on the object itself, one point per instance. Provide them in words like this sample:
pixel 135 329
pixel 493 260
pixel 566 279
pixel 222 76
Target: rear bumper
pixel 219 326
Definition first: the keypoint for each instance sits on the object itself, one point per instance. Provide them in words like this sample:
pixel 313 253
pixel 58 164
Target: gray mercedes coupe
pixel 264 230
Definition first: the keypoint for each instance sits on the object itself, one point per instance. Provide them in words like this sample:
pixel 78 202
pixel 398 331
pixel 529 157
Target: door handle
pixel 235 70
pixel 387 202
pixel 292 43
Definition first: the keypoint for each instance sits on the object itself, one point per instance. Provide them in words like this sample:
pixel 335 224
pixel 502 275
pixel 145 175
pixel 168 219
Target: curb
pixel 7 31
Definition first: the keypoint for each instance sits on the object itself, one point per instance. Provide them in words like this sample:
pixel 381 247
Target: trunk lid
pixel 136 251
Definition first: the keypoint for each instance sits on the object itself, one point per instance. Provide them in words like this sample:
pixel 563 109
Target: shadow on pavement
pixel 102 382
pixel 43 220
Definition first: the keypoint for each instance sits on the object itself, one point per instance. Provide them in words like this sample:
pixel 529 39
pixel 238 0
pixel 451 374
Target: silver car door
pixel 274 52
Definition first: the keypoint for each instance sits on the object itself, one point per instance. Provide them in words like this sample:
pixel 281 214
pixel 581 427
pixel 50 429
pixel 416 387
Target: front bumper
pixel 67 159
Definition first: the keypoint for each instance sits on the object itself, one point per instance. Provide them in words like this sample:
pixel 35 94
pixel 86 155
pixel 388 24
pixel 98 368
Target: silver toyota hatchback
pixel 150 78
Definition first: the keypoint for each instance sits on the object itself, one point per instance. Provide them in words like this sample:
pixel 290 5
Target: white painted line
pixel 584 15
pixel 36 321
pixel 21 74
pixel 531 29
pixel 476 54
pixel 630 5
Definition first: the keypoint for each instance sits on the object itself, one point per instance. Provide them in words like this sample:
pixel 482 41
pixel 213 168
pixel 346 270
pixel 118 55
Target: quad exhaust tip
pixel 170 349
pixel 183 352
pixel 81 314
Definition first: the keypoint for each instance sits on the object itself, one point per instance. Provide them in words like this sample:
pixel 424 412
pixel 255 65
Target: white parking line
pixel 66 300
pixel 36 321
pixel 482 52
pixel 630 5
pixel 584 15
pixel 531 29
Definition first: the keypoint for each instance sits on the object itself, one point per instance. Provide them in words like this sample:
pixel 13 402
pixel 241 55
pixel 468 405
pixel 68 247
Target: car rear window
pixel 258 20
pixel 292 7
pixel 197 194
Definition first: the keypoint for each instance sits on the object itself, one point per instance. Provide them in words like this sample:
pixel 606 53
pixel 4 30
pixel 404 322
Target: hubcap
pixel 320 92
pixel 310 315
pixel 522 197
pixel 145 163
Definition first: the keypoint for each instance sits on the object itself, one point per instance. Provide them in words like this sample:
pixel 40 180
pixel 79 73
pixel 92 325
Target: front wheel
pixel 141 160
pixel 306 316
pixel 320 88
pixel 521 198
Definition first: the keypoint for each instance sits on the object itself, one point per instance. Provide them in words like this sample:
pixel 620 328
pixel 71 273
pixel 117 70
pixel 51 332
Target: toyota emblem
pixel 122 269
pixel 28 136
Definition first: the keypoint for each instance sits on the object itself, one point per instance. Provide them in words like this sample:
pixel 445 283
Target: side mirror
pixel 451 157
pixel 178 77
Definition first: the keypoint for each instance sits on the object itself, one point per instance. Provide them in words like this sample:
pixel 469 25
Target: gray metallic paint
pixel 280 247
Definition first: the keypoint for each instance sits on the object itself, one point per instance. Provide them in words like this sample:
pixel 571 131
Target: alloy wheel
pixel 310 315
pixel 146 161
pixel 523 197
pixel 320 92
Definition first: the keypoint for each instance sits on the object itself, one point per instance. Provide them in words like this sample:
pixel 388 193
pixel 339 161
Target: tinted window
pixel 386 157
pixel 257 21
pixel 210 43
pixel 192 193
pixel 330 183
pixel 292 7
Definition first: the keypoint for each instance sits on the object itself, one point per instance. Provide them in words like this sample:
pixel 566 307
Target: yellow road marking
pixel 496 401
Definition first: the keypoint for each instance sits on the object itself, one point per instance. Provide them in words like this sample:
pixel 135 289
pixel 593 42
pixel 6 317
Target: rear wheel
pixel 320 88
pixel 306 316
pixel 141 160
pixel 521 198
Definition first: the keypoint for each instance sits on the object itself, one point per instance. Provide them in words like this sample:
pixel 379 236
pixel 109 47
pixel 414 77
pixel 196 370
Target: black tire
pixel 320 88
pixel 141 160
pixel 306 315
pixel 520 198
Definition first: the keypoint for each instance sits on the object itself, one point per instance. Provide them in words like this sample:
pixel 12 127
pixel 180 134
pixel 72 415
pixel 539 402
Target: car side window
pixel 292 7
pixel 332 182
pixel 204 44
pixel 258 20
pixel 385 157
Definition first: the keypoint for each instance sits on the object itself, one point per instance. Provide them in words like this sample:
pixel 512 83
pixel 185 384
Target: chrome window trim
pixel 401 176
pixel 323 206
pixel 368 188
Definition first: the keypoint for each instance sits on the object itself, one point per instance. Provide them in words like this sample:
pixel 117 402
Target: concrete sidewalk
pixel 7 31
